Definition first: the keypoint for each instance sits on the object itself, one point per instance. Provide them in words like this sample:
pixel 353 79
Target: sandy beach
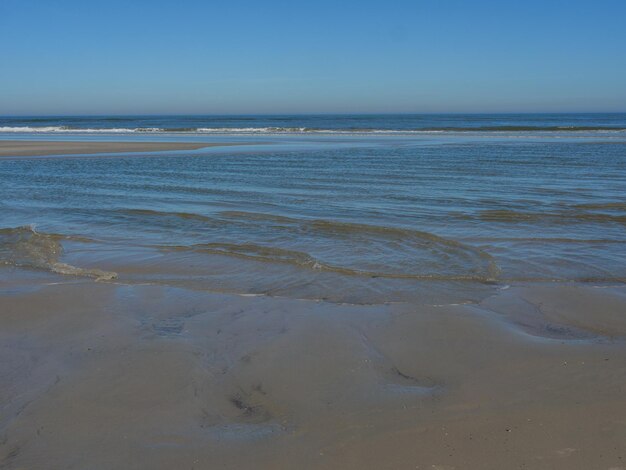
pixel 108 376
pixel 271 310
pixel 31 148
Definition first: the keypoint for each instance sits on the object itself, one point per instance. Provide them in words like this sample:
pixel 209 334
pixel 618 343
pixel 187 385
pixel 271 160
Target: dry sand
pixel 103 376
pixel 19 148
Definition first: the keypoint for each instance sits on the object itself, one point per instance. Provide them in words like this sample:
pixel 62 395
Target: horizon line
pixel 315 114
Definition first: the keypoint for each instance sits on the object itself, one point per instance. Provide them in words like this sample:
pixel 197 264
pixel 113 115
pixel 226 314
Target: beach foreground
pixel 98 375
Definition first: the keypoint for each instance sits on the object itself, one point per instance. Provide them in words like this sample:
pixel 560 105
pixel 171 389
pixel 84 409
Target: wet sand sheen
pixel 112 376
pixel 19 148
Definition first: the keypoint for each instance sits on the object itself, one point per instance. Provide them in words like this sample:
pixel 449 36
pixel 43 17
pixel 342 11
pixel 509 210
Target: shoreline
pixel 32 148
pixel 339 306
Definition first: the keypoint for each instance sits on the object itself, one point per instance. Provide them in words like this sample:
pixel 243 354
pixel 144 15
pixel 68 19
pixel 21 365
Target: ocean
pixel 346 209
pixel 324 124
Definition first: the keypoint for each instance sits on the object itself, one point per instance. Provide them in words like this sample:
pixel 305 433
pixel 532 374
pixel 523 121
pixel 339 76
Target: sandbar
pixel 32 148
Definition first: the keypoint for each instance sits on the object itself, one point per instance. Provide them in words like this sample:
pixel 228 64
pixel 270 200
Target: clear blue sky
pixel 230 56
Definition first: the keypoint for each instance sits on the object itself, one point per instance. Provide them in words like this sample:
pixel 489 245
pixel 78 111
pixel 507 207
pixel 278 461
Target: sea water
pixel 359 209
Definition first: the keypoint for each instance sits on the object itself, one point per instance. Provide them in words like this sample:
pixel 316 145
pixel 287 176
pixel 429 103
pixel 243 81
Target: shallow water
pixel 350 218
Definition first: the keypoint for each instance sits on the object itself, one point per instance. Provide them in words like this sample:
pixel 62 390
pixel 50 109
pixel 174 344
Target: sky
pixel 341 56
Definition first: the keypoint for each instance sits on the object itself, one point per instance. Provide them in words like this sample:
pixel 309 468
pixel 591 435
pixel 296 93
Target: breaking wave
pixel 300 130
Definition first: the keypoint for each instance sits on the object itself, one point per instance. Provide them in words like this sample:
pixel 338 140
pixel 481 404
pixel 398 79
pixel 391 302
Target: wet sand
pixel 19 148
pixel 101 375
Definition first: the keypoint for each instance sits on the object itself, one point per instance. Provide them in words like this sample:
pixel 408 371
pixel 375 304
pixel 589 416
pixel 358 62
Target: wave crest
pixel 303 130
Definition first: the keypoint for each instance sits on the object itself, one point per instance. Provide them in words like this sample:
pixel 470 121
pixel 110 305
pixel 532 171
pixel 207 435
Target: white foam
pixel 297 130
pixel 55 129
pixel 207 130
